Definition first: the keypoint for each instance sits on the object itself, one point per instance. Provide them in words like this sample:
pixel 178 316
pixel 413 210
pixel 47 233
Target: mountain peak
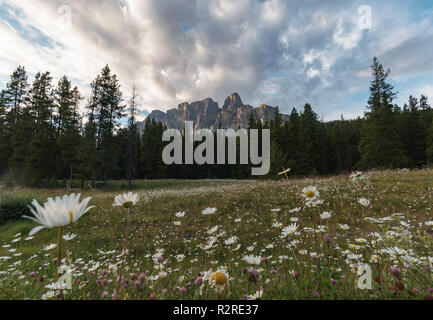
pixel 207 114
pixel 234 101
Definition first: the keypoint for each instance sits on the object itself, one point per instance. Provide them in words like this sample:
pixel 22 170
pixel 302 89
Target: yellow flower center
pixel 71 217
pixel 219 278
pixel 128 204
pixel 310 194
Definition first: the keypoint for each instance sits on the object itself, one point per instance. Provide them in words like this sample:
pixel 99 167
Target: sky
pixel 275 52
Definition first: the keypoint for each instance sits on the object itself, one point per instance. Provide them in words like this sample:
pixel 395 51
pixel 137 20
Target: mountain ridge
pixel 206 114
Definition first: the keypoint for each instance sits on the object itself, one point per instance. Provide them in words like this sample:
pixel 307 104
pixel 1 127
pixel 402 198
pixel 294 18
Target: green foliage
pixel 381 144
pixel 244 212
pixel 13 207
pixel 430 144
pixel 44 138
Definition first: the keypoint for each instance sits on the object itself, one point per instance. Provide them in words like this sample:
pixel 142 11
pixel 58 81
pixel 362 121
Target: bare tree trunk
pixel 70 179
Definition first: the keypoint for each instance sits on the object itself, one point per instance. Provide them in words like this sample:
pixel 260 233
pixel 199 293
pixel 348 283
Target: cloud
pixel 274 51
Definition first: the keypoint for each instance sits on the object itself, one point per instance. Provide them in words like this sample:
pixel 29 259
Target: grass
pixel 167 261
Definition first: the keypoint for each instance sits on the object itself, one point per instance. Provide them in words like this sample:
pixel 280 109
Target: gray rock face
pixel 207 115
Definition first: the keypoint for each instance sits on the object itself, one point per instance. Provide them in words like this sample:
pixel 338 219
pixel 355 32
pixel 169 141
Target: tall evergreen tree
pixel 40 163
pixel 412 133
pixel 4 145
pixel 16 93
pixel 108 110
pixel 292 129
pixel 67 100
pixel 380 144
pixel 309 154
pixel 13 101
pixel 133 141
pixel 429 144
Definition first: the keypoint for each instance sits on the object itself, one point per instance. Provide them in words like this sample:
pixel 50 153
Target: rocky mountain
pixel 206 114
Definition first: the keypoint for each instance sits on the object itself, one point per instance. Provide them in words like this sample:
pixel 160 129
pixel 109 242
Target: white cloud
pixel 185 50
pixel 426 90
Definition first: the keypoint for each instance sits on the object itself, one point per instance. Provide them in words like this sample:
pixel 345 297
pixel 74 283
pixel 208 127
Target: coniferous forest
pixel 45 139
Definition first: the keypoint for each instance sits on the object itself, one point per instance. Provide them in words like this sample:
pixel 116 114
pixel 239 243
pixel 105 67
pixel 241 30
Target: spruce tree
pixel 16 93
pixel 13 102
pixel 133 140
pixel 87 154
pixel 67 100
pixel 40 163
pixel 430 144
pixel 380 143
pixel 309 153
pixel 107 101
pixel 412 133
pixel 4 144
pixel 293 142
pixel 19 142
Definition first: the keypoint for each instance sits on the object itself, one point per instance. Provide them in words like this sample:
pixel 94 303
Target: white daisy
pixel 291 229
pixel 251 259
pixel 310 193
pixel 126 200
pixel 180 214
pixel 50 247
pixel 256 296
pixel 69 236
pixel 58 212
pixel 325 215
pixel 209 211
pixel 364 202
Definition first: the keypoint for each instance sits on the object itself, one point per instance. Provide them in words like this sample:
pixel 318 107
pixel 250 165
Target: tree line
pixel 44 138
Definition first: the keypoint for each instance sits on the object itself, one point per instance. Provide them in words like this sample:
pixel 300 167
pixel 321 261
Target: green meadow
pixel 236 240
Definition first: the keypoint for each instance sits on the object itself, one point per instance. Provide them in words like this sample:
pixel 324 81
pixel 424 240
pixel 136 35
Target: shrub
pixel 13 207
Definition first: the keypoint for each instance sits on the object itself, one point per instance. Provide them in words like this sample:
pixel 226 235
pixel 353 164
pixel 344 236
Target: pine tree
pixel 40 163
pixel 15 94
pixel 412 133
pixel 292 129
pixel 67 100
pixel 146 149
pixel 107 101
pixel 133 141
pixel 276 128
pixel 19 142
pixel 430 144
pixel 13 100
pixel 4 145
pixel 87 154
pixel 278 160
pixel 426 118
pixel 380 144
pixel 309 160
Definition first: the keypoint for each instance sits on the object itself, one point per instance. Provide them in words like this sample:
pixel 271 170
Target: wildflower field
pixel 287 239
